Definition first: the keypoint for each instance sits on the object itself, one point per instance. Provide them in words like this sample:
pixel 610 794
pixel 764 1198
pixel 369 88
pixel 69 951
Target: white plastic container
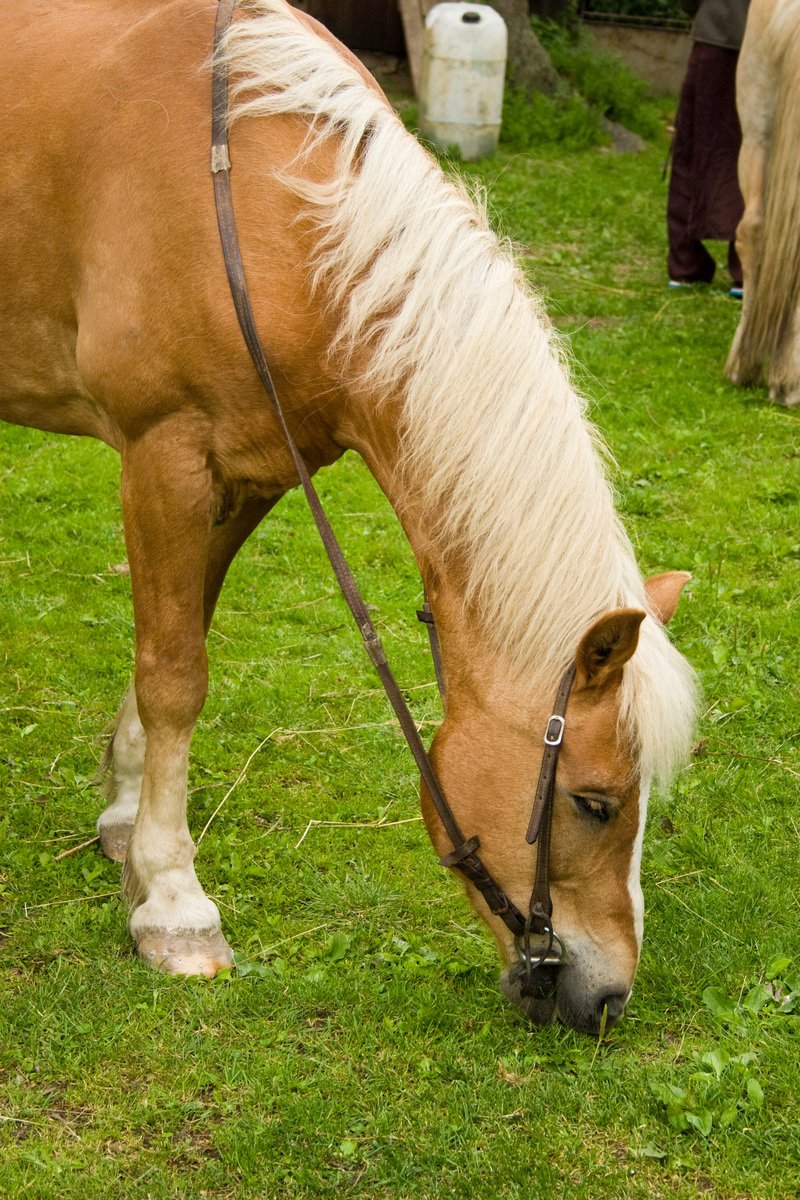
pixel 463 72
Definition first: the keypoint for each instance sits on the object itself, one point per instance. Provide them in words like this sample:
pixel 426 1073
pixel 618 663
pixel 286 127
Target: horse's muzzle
pixel 549 992
pixel 532 991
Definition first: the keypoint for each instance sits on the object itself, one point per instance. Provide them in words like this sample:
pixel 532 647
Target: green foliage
pixel 778 994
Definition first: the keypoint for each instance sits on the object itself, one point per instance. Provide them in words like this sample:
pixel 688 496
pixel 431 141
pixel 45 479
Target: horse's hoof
pixel 181 952
pixel 785 399
pixel 115 827
pixel 114 840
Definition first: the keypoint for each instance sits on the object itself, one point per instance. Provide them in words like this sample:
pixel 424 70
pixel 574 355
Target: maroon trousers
pixel 704 198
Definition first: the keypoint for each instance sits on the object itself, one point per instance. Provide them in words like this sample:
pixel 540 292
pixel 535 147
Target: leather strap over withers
pixel 464 856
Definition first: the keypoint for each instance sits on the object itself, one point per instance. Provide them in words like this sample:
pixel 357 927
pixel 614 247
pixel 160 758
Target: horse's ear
pixel 664 592
pixel 605 649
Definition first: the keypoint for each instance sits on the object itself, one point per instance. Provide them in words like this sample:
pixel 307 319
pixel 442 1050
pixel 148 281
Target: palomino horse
pixel 766 346
pixel 394 324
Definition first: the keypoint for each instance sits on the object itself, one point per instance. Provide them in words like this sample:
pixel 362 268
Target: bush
pixel 538 120
pixel 605 81
pixel 596 85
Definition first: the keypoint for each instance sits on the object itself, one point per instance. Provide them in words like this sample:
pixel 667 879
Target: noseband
pixel 536 940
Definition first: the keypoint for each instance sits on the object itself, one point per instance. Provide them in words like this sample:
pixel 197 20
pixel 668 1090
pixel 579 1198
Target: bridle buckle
pixel 554 733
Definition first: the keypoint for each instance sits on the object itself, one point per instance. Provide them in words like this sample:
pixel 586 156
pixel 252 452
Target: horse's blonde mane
pixel 494 435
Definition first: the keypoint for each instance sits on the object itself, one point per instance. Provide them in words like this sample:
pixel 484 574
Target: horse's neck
pixel 472 668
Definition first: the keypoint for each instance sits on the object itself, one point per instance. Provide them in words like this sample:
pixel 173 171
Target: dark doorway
pixel 360 24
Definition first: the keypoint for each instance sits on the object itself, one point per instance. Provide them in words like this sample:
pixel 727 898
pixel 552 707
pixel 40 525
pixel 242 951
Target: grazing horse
pixel 766 345
pixel 394 324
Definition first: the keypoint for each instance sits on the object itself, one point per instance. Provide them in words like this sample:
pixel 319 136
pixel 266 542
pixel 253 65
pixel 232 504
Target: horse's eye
pixel 592 807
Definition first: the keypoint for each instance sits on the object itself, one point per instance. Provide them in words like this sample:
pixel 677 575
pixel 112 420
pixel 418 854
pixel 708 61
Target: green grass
pixel 361 1047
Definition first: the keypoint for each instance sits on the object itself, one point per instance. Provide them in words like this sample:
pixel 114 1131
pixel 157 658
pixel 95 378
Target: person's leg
pixel 688 260
pixel 717 203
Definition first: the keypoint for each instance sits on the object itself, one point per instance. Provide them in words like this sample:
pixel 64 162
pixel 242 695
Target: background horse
pixel 766 345
pixel 395 325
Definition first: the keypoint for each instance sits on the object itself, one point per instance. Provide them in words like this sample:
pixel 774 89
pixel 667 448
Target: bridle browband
pixel 536 940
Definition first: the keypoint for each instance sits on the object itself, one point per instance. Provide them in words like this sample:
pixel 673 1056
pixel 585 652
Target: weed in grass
pixel 721 1087
pixel 710 1101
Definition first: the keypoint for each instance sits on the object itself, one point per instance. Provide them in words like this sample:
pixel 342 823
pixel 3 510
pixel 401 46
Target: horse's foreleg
pixel 167 503
pixel 125 759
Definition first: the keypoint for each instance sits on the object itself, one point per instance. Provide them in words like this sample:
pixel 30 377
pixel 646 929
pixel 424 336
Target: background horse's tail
pixel 773 293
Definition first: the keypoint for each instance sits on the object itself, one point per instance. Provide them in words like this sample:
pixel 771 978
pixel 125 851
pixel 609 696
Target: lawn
pixel 361 1046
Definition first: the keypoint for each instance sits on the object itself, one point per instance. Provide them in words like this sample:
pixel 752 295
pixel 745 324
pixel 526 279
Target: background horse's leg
pixel 741 366
pixel 126 751
pixel 756 87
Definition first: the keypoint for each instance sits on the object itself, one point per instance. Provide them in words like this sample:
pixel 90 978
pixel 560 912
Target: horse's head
pixel 487 754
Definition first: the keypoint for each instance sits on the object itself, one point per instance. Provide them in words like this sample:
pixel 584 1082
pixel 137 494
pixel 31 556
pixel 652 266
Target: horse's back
pixel 115 306
pixel 85 171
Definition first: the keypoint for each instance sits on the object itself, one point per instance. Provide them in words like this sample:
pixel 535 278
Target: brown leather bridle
pixel 536 940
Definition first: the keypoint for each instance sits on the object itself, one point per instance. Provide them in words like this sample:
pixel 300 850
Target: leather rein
pixel 536 940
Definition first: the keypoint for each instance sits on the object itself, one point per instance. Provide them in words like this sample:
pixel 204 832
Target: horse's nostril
pixel 612 1003
pixel 592 1010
